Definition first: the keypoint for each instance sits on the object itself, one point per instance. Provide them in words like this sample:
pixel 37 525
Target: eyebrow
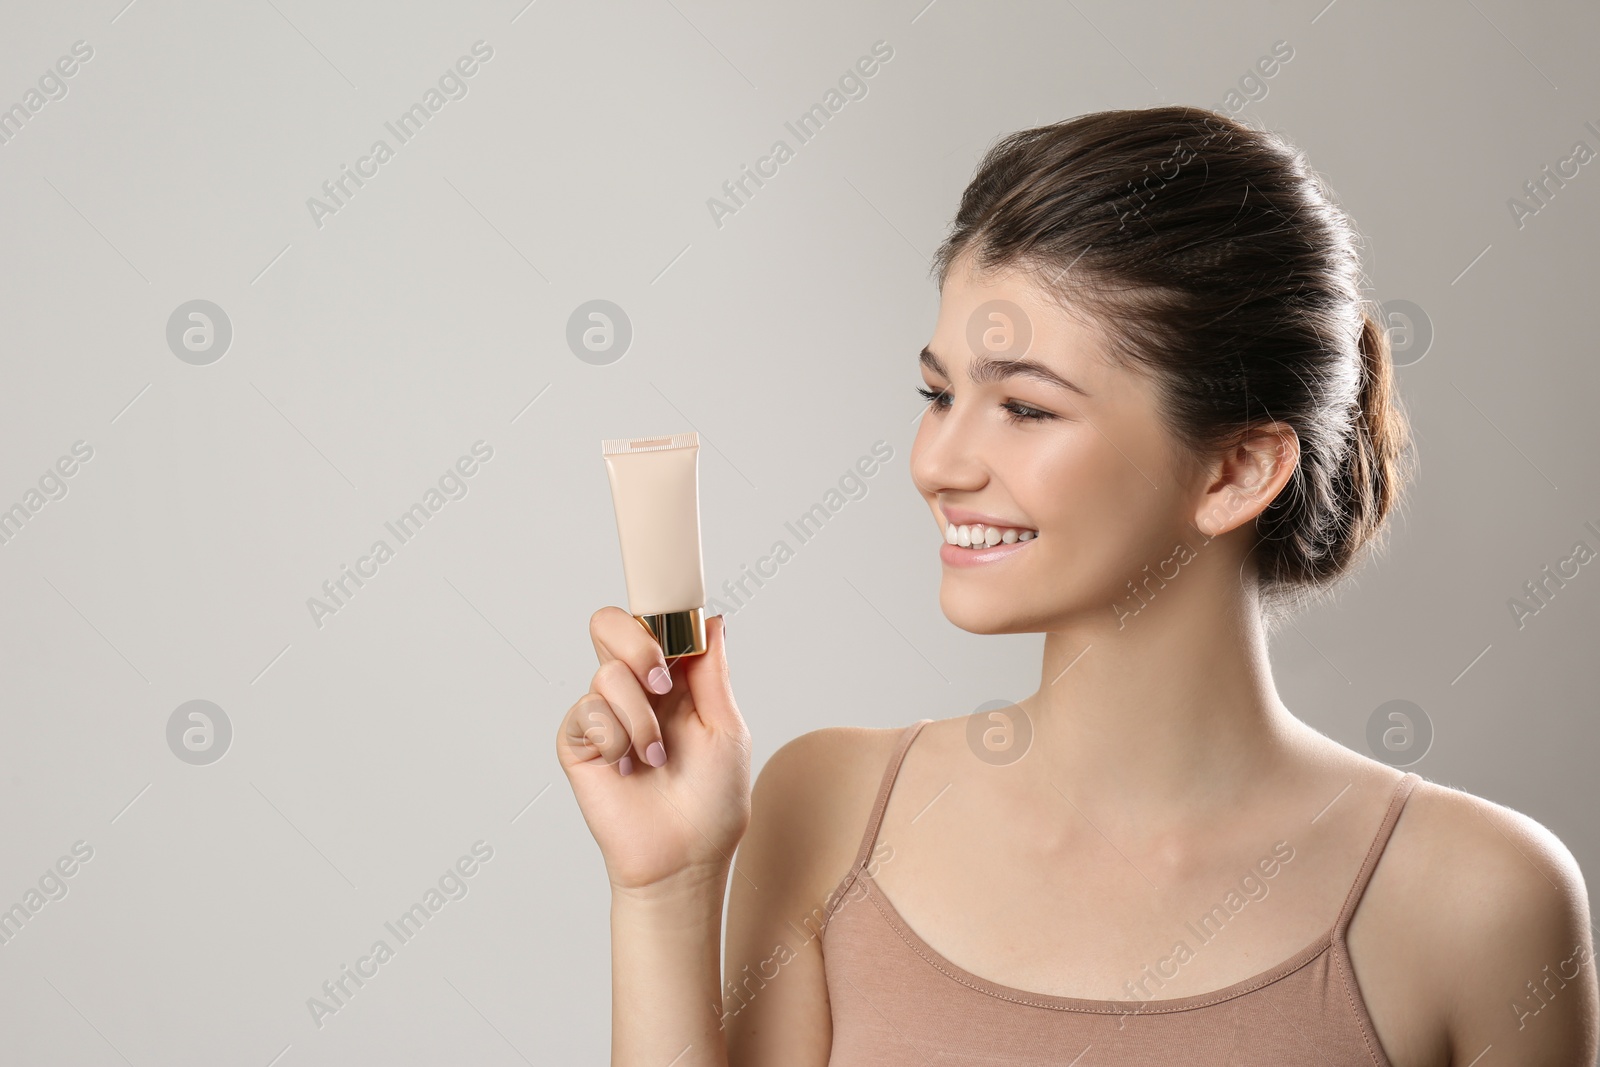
pixel 987 369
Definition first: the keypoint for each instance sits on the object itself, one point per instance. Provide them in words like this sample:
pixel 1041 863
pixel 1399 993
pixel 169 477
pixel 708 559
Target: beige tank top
pixel 894 1000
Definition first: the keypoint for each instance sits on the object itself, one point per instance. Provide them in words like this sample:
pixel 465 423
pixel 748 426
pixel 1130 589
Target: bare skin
pixel 1162 766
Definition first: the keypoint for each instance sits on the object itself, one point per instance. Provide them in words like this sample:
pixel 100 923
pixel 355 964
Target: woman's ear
pixel 1247 477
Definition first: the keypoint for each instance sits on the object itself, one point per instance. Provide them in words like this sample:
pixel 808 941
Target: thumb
pixel 709 685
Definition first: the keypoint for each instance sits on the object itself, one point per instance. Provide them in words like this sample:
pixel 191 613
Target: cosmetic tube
pixel 655 489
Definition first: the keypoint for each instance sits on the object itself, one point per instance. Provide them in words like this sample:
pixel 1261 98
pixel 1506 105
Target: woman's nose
pixel 948 452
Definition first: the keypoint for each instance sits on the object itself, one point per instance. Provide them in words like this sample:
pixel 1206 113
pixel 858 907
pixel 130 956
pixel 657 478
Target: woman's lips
pixel 956 556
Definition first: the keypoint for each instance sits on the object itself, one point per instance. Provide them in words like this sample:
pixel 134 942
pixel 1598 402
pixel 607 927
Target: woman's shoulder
pixel 1490 900
pixel 1454 858
pixel 1495 857
pixel 831 770
pixel 832 760
pixel 1470 831
pixel 815 795
pixel 1481 859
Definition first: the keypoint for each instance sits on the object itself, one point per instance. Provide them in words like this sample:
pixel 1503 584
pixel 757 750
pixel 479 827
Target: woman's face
pixel 1098 479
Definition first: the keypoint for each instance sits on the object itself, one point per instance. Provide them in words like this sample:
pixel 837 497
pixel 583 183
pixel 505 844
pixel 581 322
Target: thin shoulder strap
pixel 870 837
pixel 1397 803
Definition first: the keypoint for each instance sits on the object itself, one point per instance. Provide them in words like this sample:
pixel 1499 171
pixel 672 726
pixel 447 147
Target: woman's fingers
pixel 708 681
pixel 591 730
pixel 617 682
pixel 617 635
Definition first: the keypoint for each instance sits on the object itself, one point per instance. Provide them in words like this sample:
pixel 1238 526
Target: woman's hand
pixel 663 780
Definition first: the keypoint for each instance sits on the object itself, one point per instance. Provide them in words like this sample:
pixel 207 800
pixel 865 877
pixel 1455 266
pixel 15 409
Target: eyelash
pixel 1015 412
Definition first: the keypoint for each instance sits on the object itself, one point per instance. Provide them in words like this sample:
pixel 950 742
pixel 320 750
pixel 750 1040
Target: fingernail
pixel 656 754
pixel 625 765
pixel 660 680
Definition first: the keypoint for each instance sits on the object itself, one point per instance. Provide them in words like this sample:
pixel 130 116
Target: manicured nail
pixel 656 754
pixel 660 680
pixel 625 765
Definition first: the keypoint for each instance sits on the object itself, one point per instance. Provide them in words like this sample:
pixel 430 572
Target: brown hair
pixel 1217 260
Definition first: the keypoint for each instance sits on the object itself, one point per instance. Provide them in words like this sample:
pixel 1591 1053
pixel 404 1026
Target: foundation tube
pixel 655 489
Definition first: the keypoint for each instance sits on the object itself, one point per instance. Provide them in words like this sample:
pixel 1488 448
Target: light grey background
pixel 371 752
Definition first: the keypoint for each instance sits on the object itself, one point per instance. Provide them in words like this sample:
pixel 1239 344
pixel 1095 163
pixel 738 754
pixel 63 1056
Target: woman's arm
pixel 665 968
pixel 662 775
pixel 808 810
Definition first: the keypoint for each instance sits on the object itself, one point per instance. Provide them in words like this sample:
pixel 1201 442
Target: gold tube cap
pixel 679 633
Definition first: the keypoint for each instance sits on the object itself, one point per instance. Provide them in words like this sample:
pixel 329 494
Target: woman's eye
pixel 931 396
pixel 1023 413
pixel 1015 412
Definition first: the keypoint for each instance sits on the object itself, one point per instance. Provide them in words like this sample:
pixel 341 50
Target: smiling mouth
pixel 978 535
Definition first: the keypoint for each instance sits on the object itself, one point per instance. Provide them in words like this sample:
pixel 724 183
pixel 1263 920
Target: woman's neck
pixel 1165 718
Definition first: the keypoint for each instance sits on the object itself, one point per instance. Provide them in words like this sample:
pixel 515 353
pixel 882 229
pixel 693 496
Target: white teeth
pixel 979 536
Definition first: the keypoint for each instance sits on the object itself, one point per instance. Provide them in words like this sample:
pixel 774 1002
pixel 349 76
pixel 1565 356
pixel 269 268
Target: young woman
pixel 1159 403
